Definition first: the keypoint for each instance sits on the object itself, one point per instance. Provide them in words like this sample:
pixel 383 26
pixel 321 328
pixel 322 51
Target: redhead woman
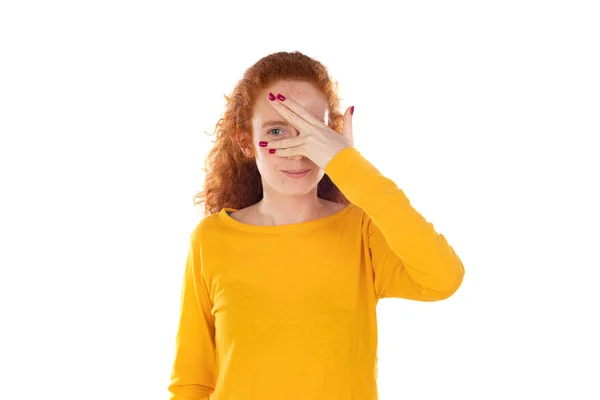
pixel 301 237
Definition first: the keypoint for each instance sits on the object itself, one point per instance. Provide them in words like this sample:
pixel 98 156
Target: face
pixel 268 125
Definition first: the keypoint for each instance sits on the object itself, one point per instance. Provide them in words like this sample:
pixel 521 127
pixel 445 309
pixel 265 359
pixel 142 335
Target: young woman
pixel 302 236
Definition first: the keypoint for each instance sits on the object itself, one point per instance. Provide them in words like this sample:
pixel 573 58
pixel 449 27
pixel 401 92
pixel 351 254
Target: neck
pixel 278 209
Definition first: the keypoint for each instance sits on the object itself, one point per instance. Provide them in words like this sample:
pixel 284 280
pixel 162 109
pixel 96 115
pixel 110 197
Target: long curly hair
pixel 232 178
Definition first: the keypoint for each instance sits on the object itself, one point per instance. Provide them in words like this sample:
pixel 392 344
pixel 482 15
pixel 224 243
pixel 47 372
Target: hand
pixel 316 140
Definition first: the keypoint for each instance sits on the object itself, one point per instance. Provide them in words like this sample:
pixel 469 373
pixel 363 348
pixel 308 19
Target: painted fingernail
pixel 262 144
pixel 272 151
pixel 272 96
pixel 280 97
pixel 352 110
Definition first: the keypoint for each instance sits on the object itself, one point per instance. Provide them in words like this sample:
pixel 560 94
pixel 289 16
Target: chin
pixel 287 186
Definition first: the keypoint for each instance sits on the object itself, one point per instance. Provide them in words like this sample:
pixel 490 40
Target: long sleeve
pixel 409 258
pixel 195 368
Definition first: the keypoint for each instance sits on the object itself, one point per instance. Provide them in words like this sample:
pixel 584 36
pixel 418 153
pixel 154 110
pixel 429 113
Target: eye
pixel 275 129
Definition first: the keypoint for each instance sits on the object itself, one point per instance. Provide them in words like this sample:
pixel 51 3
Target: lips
pixel 297 171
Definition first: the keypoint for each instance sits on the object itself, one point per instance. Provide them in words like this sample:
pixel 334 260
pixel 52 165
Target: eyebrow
pixel 275 122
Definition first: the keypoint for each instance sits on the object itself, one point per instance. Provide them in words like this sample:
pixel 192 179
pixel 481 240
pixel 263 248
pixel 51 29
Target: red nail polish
pixel 272 96
pixel 280 97
pixel 272 151
pixel 352 110
pixel 262 144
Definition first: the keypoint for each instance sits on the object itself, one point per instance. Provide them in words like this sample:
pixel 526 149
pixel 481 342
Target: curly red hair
pixel 232 177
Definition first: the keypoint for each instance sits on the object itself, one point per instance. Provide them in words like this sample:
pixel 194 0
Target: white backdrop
pixel 484 113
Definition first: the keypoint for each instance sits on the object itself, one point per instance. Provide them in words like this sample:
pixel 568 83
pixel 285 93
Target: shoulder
pixel 335 207
pixel 206 224
pixel 246 215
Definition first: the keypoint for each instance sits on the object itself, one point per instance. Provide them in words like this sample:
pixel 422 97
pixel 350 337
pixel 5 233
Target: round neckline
pixel 295 227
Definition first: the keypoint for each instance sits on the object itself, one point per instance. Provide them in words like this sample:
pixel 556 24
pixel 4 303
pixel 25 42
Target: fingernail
pixel 262 144
pixel 271 96
pixel 352 110
pixel 272 151
pixel 280 97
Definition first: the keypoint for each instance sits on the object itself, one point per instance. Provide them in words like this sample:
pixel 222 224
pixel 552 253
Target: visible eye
pixel 276 129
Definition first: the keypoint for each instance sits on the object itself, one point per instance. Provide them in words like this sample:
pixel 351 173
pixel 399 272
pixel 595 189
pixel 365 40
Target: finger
pixel 290 116
pixel 299 110
pixel 284 143
pixel 288 152
pixel 347 128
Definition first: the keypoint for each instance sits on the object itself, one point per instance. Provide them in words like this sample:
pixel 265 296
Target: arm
pixel 409 258
pixel 194 369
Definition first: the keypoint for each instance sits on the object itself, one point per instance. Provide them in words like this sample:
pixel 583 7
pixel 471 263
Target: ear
pixel 242 140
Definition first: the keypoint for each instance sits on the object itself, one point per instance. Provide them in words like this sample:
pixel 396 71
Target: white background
pixel 485 113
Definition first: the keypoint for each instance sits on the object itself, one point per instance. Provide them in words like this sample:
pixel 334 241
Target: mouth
pixel 298 173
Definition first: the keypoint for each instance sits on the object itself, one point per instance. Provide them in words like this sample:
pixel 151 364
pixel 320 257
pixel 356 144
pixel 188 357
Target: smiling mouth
pixel 299 171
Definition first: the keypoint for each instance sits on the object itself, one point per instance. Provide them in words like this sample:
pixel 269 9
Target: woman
pixel 302 236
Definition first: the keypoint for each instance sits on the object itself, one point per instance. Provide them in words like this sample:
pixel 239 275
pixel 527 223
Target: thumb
pixel 347 128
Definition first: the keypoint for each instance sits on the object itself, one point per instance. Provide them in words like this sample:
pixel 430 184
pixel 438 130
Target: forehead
pixel 303 93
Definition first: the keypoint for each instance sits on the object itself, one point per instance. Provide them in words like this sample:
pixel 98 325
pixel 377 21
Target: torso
pixel 249 215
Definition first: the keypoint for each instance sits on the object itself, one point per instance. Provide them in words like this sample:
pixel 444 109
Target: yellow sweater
pixel 288 312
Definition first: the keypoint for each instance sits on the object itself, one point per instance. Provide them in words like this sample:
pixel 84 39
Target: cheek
pixel 266 162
